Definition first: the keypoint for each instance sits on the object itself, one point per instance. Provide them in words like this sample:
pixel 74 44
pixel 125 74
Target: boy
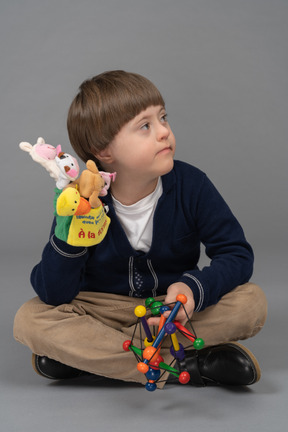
pixel 160 212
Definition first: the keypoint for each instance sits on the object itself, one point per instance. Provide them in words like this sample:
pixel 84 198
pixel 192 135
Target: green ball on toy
pixel 155 307
pixel 198 344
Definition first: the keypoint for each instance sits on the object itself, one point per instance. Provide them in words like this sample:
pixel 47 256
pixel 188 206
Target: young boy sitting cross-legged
pixel 161 210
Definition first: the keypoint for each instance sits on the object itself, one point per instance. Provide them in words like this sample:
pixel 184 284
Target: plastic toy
pixel 150 362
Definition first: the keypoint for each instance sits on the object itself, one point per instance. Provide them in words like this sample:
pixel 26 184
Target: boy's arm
pixel 225 244
pixel 56 279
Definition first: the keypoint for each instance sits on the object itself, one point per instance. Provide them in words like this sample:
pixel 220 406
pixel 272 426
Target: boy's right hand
pixel 172 293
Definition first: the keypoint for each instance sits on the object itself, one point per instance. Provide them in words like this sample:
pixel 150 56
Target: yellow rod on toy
pixel 175 342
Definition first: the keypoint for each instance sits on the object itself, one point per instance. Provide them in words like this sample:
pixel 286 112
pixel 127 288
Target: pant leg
pixel 87 333
pixel 239 315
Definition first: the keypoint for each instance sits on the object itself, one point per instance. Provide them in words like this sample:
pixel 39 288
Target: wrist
pixel 66 249
pixel 197 289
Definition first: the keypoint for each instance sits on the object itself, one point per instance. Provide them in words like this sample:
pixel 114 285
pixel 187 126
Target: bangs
pixel 104 104
pixel 127 100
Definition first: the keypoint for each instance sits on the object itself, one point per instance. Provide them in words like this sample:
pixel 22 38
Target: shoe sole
pixel 250 356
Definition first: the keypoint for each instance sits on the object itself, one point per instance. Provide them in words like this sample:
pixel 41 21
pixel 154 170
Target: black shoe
pixel 53 369
pixel 227 364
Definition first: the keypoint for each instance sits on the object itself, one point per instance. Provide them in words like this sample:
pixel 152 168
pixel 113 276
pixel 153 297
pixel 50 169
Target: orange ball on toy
pixel 142 367
pixel 181 298
pixel 150 353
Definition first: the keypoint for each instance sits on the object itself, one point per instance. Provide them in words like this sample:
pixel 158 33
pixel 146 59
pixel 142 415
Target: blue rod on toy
pixel 161 334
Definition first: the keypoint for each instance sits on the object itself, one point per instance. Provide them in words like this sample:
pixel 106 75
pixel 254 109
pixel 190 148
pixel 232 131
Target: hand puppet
pixel 80 199
pixel 80 216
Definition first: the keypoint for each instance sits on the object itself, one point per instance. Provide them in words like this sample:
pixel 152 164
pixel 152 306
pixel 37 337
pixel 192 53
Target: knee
pixel 256 307
pixel 24 320
pixel 258 298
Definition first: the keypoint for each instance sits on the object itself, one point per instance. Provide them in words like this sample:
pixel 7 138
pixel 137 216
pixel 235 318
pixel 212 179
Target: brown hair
pixel 104 104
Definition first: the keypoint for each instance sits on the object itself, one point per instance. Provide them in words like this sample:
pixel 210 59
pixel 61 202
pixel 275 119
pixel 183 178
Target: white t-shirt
pixel 137 219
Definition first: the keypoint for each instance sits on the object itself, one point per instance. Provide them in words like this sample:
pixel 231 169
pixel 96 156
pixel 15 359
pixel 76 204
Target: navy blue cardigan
pixel 189 212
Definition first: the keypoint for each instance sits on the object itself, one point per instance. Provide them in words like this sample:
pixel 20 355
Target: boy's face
pixel 145 146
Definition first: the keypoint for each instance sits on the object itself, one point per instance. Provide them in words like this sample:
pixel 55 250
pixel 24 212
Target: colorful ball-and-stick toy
pixel 150 362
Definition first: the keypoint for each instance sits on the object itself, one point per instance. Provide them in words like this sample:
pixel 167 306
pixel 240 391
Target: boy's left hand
pixel 172 292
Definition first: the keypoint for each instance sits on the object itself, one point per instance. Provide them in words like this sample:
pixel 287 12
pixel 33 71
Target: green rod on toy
pixel 170 369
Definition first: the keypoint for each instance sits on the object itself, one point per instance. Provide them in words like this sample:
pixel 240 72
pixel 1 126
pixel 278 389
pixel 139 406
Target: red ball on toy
pixel 184 377
pixel 126 345
pixel 155 364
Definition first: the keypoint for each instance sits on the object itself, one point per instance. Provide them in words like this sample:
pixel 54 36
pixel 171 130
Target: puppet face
pixel 68 165
pixel 46 151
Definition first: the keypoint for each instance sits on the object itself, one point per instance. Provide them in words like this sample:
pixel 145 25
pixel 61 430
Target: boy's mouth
pixel 165 150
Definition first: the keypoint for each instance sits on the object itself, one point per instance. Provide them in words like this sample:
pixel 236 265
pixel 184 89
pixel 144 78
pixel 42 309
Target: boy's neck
pixel 130 193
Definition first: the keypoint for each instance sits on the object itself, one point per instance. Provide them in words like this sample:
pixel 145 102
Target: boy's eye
pixel 164 118
pixel 146 126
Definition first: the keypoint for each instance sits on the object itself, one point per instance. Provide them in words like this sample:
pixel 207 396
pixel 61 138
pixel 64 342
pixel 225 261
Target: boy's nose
pixel 163 132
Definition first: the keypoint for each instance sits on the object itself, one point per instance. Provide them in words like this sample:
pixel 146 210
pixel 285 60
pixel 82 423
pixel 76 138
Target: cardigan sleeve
pixel 57 277
pixel 225 244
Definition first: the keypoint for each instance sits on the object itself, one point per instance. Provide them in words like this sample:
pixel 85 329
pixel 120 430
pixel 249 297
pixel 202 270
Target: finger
pixel 181 317
pixel 153 321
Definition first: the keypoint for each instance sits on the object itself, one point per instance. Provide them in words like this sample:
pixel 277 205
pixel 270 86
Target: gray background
pixel 221 66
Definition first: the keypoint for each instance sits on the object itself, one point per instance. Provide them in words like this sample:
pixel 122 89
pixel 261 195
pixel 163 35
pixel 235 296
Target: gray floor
pixel 31 403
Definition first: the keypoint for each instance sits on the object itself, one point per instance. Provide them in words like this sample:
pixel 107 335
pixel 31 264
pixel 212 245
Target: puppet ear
pixel 25 146
pixel 58 149
pixel 91 166
pixel 40 141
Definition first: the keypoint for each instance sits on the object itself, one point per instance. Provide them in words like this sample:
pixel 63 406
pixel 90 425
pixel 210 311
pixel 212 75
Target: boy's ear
pixel 105 156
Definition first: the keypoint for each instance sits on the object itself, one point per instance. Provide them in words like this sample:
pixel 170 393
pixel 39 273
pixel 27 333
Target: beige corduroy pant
pixel 88 333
